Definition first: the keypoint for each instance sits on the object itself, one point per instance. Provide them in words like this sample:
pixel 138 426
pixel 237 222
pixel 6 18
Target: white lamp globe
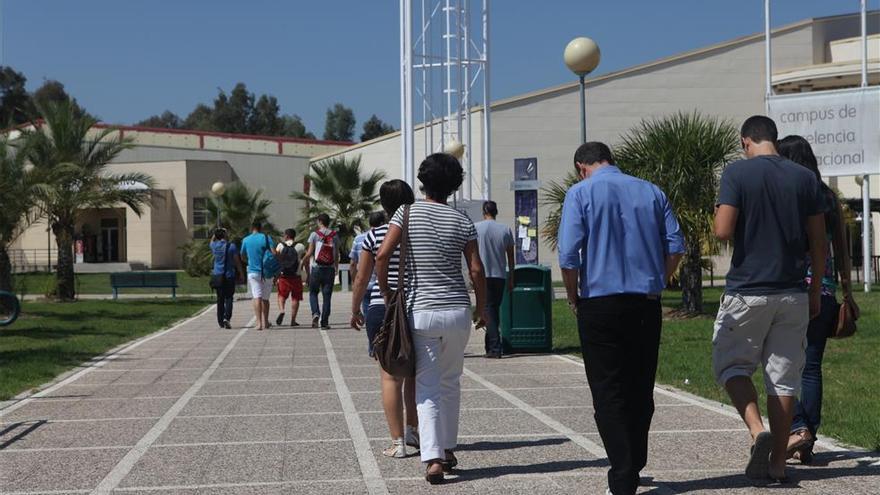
pixel 582 55
pixel 28 168
pixel 454 148
pixel 218 188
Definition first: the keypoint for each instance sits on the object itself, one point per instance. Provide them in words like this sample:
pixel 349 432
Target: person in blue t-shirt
pixel 253 247
pixel 228 264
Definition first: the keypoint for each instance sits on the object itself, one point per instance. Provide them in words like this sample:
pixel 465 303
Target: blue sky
pixel 126 60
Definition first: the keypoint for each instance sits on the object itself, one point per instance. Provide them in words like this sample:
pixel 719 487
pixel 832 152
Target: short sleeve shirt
pixel 774 196
pixel 371 244
pixel 224 258
pixel 356 247
pixel 438 234
pixel 253 247
pixel 494 240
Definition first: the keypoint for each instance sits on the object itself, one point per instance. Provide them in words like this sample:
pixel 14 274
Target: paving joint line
pixel 372 476
pixel 125 465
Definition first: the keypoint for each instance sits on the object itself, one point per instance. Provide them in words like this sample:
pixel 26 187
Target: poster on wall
pixel 525 229
pixel 843 127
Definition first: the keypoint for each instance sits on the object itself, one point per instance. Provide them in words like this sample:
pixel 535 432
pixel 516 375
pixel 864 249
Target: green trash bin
pixel 527 312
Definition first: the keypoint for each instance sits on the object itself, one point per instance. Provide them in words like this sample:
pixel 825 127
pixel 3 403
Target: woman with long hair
pixel 838 267
pixel 395 391
pixel 438 303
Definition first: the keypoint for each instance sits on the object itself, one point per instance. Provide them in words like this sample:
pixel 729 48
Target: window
pixel 200 218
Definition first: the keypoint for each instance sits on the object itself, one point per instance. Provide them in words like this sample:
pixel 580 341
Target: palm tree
pixel 339 189
pixel 684 154
pixel 553 195
pixel 238 207
pixel 16 205
pixel 70 160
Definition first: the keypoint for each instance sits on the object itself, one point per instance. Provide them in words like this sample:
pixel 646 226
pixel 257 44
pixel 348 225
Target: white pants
pixel 440 338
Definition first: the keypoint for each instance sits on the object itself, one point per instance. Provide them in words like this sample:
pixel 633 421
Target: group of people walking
pixel 266 265
pixel 619 244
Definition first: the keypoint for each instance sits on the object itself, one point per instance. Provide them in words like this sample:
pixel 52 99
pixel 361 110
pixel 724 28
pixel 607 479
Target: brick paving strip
pixel 299 410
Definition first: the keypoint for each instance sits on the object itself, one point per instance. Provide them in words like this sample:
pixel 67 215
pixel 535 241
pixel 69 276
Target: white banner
pixel 843 127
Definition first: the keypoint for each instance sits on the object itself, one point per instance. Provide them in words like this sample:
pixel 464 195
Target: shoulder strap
pixel 404 247
pixel 226 257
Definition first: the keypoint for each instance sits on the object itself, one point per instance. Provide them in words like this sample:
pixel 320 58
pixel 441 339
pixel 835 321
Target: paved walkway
pixel 201 410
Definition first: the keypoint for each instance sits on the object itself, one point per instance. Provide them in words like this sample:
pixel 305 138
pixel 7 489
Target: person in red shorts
pixel 289 281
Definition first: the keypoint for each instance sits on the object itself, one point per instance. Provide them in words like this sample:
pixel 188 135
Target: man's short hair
pixel 490 208
pixel 324 219
pixel 759 128
pixel 290 233
pixel 377 219
pixel 257 225
pixel 593 152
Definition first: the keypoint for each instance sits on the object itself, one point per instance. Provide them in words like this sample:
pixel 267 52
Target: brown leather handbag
pixel 845 324
pixel 393 345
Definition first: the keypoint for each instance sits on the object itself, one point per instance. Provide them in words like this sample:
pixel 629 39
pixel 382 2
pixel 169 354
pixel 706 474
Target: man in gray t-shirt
pixel 496 250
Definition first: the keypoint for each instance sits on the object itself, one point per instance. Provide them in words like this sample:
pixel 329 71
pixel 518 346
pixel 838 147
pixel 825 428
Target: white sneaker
pixel 397 449
pixel 412 436
pixel 608 491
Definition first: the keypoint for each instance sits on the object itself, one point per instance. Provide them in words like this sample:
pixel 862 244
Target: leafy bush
pixel 197 258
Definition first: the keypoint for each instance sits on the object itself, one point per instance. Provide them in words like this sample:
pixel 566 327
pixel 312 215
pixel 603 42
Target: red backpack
pixel 325 254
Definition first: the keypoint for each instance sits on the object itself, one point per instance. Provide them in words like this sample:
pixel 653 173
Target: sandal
pixel 799 439
pixel 434 478
pixel 396 450
pixel 450 462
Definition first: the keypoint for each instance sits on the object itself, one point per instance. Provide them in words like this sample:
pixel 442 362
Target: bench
pixel 128 280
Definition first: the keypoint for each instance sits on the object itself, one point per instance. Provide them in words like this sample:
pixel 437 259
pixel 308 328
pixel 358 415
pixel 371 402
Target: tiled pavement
pixel 203 410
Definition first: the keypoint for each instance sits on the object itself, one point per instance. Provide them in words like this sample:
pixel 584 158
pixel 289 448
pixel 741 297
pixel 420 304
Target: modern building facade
pixel 724 80
pixel 185 164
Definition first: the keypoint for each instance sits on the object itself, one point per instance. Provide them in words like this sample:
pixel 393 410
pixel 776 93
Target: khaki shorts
pixel 768 330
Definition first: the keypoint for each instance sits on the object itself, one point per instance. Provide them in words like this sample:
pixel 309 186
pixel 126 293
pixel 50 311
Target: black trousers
pixel 495 288
pixel 225 299
pixel 620 339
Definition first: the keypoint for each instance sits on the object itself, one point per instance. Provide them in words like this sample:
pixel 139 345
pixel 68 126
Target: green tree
pixel 552 196
pixel 199 119
pixel 375 127
pixel 15 102
pixel 167 120
pixel 70 164
pixel 683 154
pixel 16 205
pixel 340 122
pixel 340 189
pixel 265 118
pixel 293 126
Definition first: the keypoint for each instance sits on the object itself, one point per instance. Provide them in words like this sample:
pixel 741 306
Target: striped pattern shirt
pixel 437 236
pixel 371 244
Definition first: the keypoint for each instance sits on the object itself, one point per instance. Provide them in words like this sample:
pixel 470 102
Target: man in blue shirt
pixel 253 248
pixel 619 242
pixel 226 262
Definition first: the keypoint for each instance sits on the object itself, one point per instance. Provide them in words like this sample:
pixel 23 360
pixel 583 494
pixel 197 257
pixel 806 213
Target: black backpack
pixel 289 261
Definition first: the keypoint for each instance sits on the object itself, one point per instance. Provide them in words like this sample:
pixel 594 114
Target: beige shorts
pixel 768 330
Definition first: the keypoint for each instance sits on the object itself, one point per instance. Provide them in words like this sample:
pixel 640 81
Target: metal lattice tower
pixel 444 74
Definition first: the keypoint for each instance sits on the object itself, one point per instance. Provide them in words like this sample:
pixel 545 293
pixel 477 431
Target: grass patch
pixel 51 338
pixel 850 370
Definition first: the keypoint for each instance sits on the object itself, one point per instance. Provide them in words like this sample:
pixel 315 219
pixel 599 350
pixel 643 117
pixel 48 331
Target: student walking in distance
pixel 439 303
pixel 808 410
pixel 323 256
pixel 228 265
pixel 254 248
pixel 396 392
pixel 619 242
pixel 377 219
pixel 496 251
pixel 290 283
pixel 772 209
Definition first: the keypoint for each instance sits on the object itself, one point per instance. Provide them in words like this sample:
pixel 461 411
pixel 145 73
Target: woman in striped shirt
pixel 392 195
pixel 438 302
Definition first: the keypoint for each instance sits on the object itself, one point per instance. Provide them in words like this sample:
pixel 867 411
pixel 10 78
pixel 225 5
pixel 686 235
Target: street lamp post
pixel 581 57
pixel 218 189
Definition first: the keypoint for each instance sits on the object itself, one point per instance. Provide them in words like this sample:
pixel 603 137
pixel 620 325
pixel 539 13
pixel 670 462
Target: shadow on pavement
pixel 464 475
pixel 478 446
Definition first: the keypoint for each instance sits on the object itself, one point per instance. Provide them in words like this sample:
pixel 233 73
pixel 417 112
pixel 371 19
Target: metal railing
pixel 33 260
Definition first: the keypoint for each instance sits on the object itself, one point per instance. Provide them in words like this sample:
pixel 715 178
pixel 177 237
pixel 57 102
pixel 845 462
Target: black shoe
pixel 222 325
pixel 325 327
pixel 227 325
pixel 280 319
pixel 493 355
pixel 293 323
pixel 315 320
